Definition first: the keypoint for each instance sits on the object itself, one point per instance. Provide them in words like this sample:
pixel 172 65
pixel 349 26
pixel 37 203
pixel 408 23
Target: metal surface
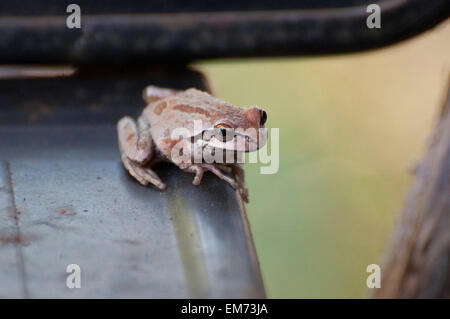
pixel 93 96
pixel 66 199
pixel 154 37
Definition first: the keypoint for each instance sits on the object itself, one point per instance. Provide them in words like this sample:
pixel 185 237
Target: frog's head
pixel 241 132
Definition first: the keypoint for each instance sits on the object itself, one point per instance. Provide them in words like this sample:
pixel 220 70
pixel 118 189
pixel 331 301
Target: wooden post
pixel 417 264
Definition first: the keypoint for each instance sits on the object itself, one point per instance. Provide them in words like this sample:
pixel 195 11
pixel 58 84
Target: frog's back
pixel 182 109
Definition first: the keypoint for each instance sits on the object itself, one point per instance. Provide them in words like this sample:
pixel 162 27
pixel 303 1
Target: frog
pixel 207 124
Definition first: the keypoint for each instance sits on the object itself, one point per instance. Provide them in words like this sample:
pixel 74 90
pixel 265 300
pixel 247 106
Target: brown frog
pixel 177 126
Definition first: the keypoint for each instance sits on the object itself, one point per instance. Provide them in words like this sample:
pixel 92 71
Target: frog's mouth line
pixel 239 143
pixel 242 143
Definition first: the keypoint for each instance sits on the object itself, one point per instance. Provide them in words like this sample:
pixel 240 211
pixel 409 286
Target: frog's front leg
pixel 239 177
pixel 213 169
pixel 136 150
pixel 224 168
pixel 220 171
pixel 198 171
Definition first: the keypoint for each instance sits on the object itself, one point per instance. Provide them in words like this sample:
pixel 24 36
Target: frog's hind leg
pixel 135 144
pixel 136 148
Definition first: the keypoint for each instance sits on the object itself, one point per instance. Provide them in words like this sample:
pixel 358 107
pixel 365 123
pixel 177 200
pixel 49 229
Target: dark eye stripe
pixel 263 117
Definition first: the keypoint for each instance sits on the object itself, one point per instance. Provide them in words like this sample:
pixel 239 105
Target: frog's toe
pixel 143 175
pixel 244 194
pixel 161 186
pixel 151 177
pixel 138 177
pixel 196 181
pixel 198 175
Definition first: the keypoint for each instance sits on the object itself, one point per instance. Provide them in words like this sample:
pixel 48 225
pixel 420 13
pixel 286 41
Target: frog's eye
pixel 223 132
pixel 220 126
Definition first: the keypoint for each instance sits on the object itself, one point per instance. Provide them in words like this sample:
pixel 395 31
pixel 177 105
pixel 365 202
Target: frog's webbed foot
pixel 136 145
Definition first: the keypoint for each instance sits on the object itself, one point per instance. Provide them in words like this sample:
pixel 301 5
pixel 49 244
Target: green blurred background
pixel 352 128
